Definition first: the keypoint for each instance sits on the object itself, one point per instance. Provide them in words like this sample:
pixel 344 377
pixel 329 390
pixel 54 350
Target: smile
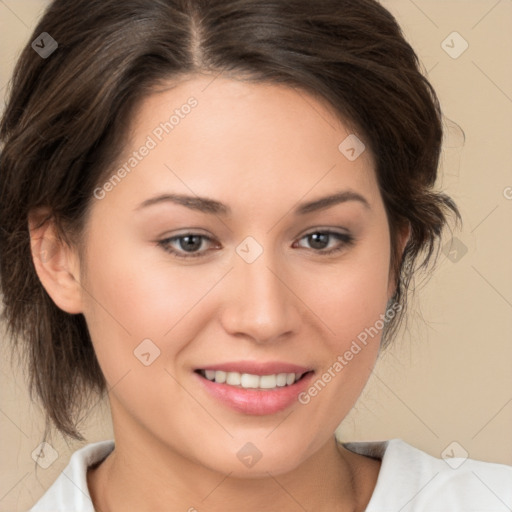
pixel 254 388
pixel 252 381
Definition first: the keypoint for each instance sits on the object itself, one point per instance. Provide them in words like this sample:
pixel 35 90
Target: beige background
pixel 449 376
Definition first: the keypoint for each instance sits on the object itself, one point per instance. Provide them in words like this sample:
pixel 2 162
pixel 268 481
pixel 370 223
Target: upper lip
pixel 257 368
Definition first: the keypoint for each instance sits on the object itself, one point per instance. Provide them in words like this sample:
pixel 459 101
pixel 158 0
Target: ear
pixel 56 263
pixel 403 237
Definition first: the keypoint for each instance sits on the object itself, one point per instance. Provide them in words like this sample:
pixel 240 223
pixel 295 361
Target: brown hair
pixel 67 115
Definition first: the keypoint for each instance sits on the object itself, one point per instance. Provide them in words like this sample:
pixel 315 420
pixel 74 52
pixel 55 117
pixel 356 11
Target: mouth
pixel 268 382
pixel 255 388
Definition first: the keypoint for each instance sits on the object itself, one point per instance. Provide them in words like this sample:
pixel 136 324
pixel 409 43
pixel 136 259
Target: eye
pixel 326 241
pixel 188 245
pixel 194 245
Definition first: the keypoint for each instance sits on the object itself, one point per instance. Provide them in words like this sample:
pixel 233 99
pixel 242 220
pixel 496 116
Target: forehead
pixel 210 135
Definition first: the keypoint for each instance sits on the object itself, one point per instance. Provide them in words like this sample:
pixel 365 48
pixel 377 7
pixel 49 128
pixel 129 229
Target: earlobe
pixel 56 264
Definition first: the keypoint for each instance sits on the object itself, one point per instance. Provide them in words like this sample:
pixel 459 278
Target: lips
pixel 255 388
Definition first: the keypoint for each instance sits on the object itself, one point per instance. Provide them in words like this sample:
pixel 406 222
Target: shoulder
pixel 70 488
pixel 412 480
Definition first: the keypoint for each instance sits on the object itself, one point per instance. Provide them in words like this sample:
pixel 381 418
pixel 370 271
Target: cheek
pixel 133 295
pixel 350 295
pixel 349 302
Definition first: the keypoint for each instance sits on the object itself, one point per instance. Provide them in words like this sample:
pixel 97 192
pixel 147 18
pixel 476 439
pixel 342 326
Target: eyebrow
pixel 207 205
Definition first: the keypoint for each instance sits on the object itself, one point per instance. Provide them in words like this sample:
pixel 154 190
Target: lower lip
pixel 254 401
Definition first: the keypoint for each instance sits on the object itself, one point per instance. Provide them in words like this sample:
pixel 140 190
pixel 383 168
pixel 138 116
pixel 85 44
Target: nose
pixel 260 303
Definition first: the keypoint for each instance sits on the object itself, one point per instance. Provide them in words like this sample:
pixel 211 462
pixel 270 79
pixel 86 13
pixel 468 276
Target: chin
pixel 256 459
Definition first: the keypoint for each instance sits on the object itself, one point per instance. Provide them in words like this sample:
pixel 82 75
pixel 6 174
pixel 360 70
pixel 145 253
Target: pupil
pixel 319 240
pixel 190 243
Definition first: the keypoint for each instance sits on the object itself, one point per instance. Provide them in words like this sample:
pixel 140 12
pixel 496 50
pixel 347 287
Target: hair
pixel 68 115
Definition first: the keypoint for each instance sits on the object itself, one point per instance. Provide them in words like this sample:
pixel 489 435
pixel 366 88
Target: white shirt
pixel 409 480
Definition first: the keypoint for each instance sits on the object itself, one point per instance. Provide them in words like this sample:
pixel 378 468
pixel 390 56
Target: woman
pixel 206 208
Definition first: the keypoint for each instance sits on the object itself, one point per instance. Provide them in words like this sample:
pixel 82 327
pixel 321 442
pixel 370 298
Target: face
pixel 212 256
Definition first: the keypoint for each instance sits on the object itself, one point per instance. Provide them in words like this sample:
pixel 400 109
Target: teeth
pixel 233 379
pixel 249 381
pixel 219 377
pixel 270 381
pixel 281 379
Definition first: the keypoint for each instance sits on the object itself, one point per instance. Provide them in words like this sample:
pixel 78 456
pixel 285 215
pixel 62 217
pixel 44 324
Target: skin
pixel 259 149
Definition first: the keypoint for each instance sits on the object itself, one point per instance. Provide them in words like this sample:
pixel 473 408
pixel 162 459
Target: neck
pixel 144 477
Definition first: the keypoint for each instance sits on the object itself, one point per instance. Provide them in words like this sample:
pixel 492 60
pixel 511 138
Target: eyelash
pixel 346 239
